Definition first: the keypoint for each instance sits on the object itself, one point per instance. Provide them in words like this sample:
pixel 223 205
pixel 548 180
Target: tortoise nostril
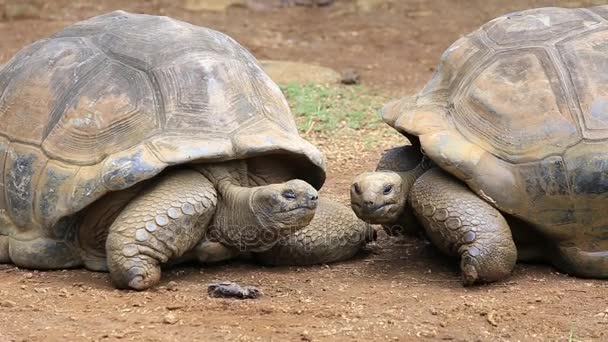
pixel 313 197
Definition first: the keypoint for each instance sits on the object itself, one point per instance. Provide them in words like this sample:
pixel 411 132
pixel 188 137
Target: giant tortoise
pixel 509 148
pixel 129 141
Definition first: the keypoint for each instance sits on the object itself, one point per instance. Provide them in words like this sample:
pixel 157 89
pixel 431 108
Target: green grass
pixel 322 109
pixel 571 337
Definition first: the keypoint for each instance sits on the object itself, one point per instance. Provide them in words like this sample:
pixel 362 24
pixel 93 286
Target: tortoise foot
pixel 461 224
pixel 579 261
pixel 158 226
pixel 140 273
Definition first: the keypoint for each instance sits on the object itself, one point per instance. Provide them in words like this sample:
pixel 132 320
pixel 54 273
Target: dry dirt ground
pixel 402 291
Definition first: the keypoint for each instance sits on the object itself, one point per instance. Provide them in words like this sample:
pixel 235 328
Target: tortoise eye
pixel 357 188
pixel 289 194
pixel 388 189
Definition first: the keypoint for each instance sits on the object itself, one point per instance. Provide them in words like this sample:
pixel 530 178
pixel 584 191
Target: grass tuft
pixel 325 110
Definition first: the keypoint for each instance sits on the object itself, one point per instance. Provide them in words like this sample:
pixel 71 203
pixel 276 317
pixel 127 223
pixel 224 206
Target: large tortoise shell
pixel 113 100
pixel 519 111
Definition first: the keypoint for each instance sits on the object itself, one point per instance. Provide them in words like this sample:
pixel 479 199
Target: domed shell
pixel 519 110
pixel 113 100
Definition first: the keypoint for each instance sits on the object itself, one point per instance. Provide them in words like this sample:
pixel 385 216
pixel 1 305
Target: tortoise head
pixel 379 197
pixel 286 207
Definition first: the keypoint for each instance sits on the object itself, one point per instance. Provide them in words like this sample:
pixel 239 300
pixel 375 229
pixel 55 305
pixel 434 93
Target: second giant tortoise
pixel 129 141
pixel 513 129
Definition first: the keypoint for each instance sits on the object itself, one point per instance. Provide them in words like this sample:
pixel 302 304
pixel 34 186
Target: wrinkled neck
pixel 409 177
pixel 406 223
pixel 240 218
pixel 235 208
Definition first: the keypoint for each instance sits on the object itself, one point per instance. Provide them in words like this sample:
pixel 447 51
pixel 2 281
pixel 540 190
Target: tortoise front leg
pixel 165 220
pixel 460 223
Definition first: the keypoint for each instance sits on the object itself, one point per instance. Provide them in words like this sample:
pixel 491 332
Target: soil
pixel 400 290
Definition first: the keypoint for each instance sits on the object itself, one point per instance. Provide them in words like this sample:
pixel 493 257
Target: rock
pixel 229 289
pixel 371 5
pixel 491 318
pixel 210 5
pixel 7 303
pixel 420 14
pixel 261 5
pixel 170 318
pixel 309 3
pixel 305 336
pixel 350 77
pixel 294 72
pixel 428 333
pixel 176 306
pixel 172 286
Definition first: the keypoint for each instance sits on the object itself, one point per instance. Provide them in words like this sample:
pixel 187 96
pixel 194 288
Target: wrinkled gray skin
pixel 194 204
pixel 211 217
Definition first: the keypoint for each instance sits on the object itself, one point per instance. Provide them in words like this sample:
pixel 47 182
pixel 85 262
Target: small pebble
pixel 350 77
pixel 170 318
pixel 233 290
pixel 7 303
pixel 174 306
pixel 172 286
pixel 305 336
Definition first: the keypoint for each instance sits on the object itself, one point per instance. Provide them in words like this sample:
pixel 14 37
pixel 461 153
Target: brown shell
pixel 114 100
pixel 519 110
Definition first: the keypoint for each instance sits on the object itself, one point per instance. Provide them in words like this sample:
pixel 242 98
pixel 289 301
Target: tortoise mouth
pixel 301 209
pixel 387 206
pixel 379 213
pixel 383 209
pixel 303 212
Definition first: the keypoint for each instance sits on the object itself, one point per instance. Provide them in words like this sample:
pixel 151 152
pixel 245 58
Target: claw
pixel 469 273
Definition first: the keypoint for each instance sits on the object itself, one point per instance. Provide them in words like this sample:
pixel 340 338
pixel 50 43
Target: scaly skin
pixel 461 224
pixel 456 220
pixel 163 222
pixel 254 219
pixel 403 160
pixel 381 196
pixel 335 234
pixel 171 215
